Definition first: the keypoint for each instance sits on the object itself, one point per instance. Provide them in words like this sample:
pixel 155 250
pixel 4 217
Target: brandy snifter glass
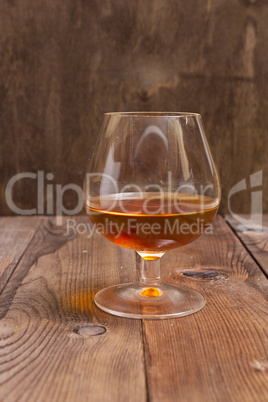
pixel 151 186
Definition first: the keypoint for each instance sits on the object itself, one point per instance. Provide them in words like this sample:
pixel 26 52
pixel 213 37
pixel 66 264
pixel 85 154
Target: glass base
pixel 157 302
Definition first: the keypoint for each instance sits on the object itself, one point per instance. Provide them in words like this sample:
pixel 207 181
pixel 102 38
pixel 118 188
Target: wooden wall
pixel 64 63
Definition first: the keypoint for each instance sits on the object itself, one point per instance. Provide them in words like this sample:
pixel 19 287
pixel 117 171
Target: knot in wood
pixel 205 275
pixel 7 328
pixel 90 330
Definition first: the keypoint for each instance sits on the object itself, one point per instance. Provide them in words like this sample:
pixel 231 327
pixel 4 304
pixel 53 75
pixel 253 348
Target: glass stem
pixel 149 273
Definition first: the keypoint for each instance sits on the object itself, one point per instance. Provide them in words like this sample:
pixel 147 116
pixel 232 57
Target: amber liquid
pixel 150 223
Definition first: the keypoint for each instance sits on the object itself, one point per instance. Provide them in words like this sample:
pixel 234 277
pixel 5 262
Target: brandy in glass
pixel 151 186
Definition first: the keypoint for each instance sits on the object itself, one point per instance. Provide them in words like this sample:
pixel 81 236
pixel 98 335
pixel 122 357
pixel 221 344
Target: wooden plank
pixel 128 55
pixel 15 235
pixel 44 240
pixel 55 345
pixel 219 353
pixel 256 241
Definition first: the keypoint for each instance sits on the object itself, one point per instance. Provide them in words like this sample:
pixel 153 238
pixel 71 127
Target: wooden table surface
pixel 56 345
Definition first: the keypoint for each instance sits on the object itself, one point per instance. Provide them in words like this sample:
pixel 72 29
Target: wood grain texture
pixel 220 353
pixel 15 235
pixel 62 66
pixel 256 241
pixel 45 240
pixel 55 345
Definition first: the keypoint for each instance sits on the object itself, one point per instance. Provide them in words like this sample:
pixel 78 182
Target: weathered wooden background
pixel 65 63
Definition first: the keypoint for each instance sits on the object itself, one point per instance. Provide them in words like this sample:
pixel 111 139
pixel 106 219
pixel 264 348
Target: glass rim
pixel 156 114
